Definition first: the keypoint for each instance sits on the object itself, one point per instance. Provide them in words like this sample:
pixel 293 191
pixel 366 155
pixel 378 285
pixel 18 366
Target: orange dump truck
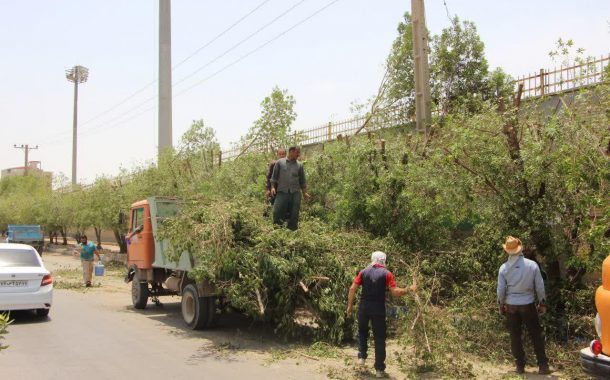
pixel 153 274
pixel 595 359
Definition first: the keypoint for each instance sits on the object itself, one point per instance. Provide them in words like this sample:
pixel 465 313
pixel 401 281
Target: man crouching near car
pixel 519 283
pixel 88 249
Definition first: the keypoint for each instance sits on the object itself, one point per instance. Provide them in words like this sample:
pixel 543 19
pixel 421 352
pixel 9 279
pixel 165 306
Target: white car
pixel 25 284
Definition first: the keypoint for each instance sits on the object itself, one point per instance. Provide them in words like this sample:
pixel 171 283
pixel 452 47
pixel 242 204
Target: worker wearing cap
pixel 519 284
pixel 375 280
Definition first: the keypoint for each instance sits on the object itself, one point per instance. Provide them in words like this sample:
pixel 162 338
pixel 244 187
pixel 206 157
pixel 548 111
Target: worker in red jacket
pixel 375 280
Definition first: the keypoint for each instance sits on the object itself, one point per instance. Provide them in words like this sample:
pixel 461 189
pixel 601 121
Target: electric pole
pixel 423 113
pixel 26 148
pixel 77 74
pixel 165 75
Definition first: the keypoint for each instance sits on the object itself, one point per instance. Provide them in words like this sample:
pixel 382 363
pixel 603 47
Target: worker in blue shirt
pixel 519 285
pixel 87 250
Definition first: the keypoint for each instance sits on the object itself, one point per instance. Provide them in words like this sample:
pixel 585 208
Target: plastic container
pixel 99 269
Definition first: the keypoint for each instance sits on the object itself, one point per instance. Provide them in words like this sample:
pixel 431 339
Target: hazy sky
pixel 334 58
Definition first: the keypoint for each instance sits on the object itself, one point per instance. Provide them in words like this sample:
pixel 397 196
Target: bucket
pixel 99 269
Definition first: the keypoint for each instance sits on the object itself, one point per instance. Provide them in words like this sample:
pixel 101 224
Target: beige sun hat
pixel 513 245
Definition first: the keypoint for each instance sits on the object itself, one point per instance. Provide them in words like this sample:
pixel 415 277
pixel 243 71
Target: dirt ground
pixel 237 338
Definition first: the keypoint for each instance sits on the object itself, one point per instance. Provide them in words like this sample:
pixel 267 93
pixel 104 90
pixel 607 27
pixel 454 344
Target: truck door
pixel 140 248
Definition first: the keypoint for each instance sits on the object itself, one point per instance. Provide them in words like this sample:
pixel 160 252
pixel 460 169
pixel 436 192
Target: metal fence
pixel 546 82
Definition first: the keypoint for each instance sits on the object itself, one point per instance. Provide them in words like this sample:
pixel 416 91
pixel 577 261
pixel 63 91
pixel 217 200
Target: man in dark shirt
pixel 287 185
pixel 374 279
pixel 281 153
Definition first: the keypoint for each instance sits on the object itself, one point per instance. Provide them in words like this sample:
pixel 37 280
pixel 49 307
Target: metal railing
pixel 546 82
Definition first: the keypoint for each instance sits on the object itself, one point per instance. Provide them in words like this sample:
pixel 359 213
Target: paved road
pixel 96 334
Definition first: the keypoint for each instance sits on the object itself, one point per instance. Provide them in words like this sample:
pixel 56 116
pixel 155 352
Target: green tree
pixel 400 67
pixel 272 129
pixel 199 139
pixel 458 67
pixel 4 322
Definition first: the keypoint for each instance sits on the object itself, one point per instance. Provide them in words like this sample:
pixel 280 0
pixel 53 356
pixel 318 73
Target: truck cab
pixel 595 359
pixel 29 234
pixel 154 274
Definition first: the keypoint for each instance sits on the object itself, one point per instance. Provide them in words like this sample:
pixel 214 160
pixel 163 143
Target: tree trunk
pixel 98 237
pixel 62 231
pixel 120 239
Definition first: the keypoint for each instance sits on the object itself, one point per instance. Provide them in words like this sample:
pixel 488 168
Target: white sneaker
pixel 361 362
pixel 380 374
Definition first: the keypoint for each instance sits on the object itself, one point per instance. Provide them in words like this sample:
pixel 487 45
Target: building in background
pixel 33 168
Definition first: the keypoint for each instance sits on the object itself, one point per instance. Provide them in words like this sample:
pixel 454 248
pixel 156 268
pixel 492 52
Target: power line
pixel 256 49
pixel 447 11
pixel 216 58
pixel 221 34
pixel 239 43
pixel 218 71
pixel 197 51
pixel 120 103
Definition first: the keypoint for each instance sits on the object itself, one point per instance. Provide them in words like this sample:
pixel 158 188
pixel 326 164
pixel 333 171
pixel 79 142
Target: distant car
pixel 25 284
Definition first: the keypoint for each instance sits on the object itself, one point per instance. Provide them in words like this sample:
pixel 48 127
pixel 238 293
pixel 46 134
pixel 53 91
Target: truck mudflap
pixel 130 275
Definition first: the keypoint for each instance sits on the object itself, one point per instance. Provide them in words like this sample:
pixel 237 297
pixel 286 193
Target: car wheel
pixel 195 309
pixel 139 293
pixel 42 312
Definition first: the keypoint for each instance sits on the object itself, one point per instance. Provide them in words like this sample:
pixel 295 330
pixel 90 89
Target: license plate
pixel 13 284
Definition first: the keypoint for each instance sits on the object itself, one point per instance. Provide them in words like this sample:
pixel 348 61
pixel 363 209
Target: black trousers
pixel 516 317
pixel 379 330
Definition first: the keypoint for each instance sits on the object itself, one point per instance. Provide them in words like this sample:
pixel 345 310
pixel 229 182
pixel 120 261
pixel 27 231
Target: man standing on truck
pixel 88 249
pixel 374 279
pixel 519 284
pixel 288 182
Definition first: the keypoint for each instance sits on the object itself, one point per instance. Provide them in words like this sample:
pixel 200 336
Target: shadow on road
pixel 233 331
pixel 23 317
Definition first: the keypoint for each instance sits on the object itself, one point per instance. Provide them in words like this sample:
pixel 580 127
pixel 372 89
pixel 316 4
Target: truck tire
pixel 42 312
pixel 139 293
pixel 195 309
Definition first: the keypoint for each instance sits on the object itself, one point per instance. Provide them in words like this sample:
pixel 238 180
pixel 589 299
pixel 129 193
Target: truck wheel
pixel 42 312
pixel 139 293
pixel 195 309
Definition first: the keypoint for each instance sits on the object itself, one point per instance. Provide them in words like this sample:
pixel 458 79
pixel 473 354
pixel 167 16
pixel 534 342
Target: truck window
pixel 166 210
pixel 138 218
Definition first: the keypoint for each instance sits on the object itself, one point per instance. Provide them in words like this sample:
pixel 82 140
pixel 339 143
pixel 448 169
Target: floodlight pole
pixel 423 113
pixel 74 128
pixel 77 74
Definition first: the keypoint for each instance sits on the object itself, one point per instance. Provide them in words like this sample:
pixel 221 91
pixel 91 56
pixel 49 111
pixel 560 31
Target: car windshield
pixel 18 258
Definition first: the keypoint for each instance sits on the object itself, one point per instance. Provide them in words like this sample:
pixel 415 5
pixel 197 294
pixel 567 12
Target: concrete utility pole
pixel 165 75
pixel 26 148
pixel 76 75
pixel 423 102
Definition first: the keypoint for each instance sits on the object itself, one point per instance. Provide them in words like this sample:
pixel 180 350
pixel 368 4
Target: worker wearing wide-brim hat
pixel 519 285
